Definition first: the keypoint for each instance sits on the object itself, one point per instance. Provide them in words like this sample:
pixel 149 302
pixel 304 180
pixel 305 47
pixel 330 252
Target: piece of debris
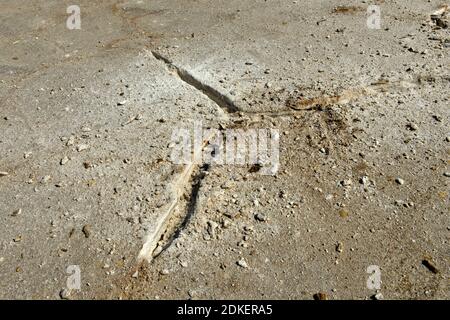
pixel 64 160
pixel 87 165
pixel 70 141
pixel 64 294
pixel 320 296
pixel 82 147
pixel 430 265
pixel 400 181
pixel 347 9
pixel 212 227
pixel 412 126
pixel 441 23
pixel 339 247
pixel 346 183
pixel 441 11
pixel 261 217
pixel 3 173
pixel 164 272
pixel 377 296
pixel 242 263
pixel 364 181
pixel 86 230
pixel 439 16
pixel 343 213
pixel 16 213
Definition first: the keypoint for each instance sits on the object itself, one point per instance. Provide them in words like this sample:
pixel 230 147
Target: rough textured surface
pixel 86 119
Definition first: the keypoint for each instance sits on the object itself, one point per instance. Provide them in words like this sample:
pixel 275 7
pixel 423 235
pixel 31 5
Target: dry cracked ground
pixel 87 179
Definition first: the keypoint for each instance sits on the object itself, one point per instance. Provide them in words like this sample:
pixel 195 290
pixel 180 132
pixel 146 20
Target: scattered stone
pixel 135 275
pixel 82 147
pixel 438 118
pixel 377 296
pixel 441 23
pixel 45 179
pixel 70 141
pixel 447 174
pixel 430 265
pixel 164 272
pixel 64 160
pixel 261 217
pixel 346 183
pixel 339 247
pixel 86 230
pixel 400 181
pixel 412 126
pixel 212 227
pixel 365 181
pixel 3 173
pixel 121 103
pixel 320 296
pixel 16 212
pixel 343 213
pixel 64 294
pixel 242 263
pixel 87 165
pixel 192 294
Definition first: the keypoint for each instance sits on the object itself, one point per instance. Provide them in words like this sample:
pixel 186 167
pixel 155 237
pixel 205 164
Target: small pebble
pixel 400 181
pixel 64 294
pixel 164 272
pixel 3 173
pixel 346 183
pixel 86 230
pixel 242 263
pixel 378 296
pixel 16 212
pixel 82 147
pixel 260 217
pixel 320 296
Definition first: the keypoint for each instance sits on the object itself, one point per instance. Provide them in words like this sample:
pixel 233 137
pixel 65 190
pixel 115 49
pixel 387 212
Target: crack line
pixel 222 100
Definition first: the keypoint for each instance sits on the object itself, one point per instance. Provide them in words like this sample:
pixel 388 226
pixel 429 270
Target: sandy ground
pixel 87 181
